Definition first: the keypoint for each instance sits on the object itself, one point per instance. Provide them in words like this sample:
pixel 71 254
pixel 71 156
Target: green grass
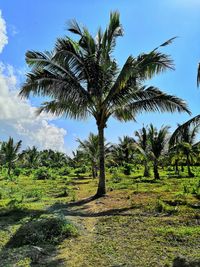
pixel 141 223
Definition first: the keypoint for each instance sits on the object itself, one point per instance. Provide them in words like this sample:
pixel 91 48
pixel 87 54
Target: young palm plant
pixel 83 79
pixel 158 141
pixel 9 153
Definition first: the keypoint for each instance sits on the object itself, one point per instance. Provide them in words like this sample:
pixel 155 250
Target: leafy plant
pixel 43 230
pixel 17 172
pixel 42 174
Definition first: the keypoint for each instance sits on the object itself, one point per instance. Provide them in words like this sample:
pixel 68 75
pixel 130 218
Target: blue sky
pixel 35 25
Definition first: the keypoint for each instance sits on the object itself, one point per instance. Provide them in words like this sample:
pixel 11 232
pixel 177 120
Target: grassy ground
pixel 139 223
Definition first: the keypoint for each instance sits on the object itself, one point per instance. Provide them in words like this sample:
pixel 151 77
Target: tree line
pixel 149 147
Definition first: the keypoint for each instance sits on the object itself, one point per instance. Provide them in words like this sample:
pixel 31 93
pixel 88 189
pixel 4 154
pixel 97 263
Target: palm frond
pixel 198 75
pixel 73 27
pixel 169 41
pixel 183 131
pixel 150 100
pixel 62 108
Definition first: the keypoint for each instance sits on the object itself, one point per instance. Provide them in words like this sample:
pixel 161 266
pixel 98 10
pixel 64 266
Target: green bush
pixel 196 190
pixel 127 169
pixel 80 170
pixel 42 174
pixel 46 229
pixel 15 204
pixel 64 171
pixel 186 189
pixel 17 172
pixel 27 172
pixel 116 178
pixel 34 193
pixel 161 207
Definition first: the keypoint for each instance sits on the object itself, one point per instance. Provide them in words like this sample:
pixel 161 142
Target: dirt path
pixel 85 213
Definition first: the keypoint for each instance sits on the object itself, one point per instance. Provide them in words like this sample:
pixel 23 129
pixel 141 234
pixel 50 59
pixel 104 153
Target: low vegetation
pixel 141 222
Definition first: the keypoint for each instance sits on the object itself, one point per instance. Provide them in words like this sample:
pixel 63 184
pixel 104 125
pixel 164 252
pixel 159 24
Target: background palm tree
pixel 184 140
pixel 90 151
pixel 83 79
pixel 122 154
pixel 31 156
pixel 9 153
pixel 51 158
pixel 141 145
pixel 158 141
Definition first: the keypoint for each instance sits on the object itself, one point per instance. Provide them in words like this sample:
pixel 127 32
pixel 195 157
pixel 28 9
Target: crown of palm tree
pixel 83 79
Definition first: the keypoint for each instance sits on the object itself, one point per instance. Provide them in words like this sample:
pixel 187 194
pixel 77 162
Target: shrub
pixel 15 204
pixel 34 193
pixel 186 189
pixel 161 207
pixel 17 172
pixel 116 178
pixel 43 230
pixel 42 174
pixel 64 171
pixel 27 172
pixel 80 170
pixel 196 190
pixel 182 262
pixel 127 169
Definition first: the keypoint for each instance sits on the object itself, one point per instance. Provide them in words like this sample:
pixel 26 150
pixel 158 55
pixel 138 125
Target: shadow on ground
pixel 79 209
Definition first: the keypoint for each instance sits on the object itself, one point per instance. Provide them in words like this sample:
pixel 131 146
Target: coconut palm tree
pixel 31 156
pixel 184 140
pixel 122 153
pixel 51 158
pixel 158 141
pixel 9 153
pixel 90 151
pixel 142 146
pixel 83 79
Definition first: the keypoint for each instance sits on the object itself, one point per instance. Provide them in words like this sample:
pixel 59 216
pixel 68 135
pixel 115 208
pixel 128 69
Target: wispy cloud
pixel 13 30
pixel 3 34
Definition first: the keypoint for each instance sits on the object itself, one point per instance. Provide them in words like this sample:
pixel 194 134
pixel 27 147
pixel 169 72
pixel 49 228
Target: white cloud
pixel 3 35
pixel 17 117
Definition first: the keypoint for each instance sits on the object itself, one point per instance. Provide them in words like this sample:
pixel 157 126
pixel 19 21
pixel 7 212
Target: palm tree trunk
pixel 182 167
pixel 190 173
pixel 155 170
pixel 176 167
pixel 102 183
pixel 9 169
pixel 94 172
pixel 146 169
